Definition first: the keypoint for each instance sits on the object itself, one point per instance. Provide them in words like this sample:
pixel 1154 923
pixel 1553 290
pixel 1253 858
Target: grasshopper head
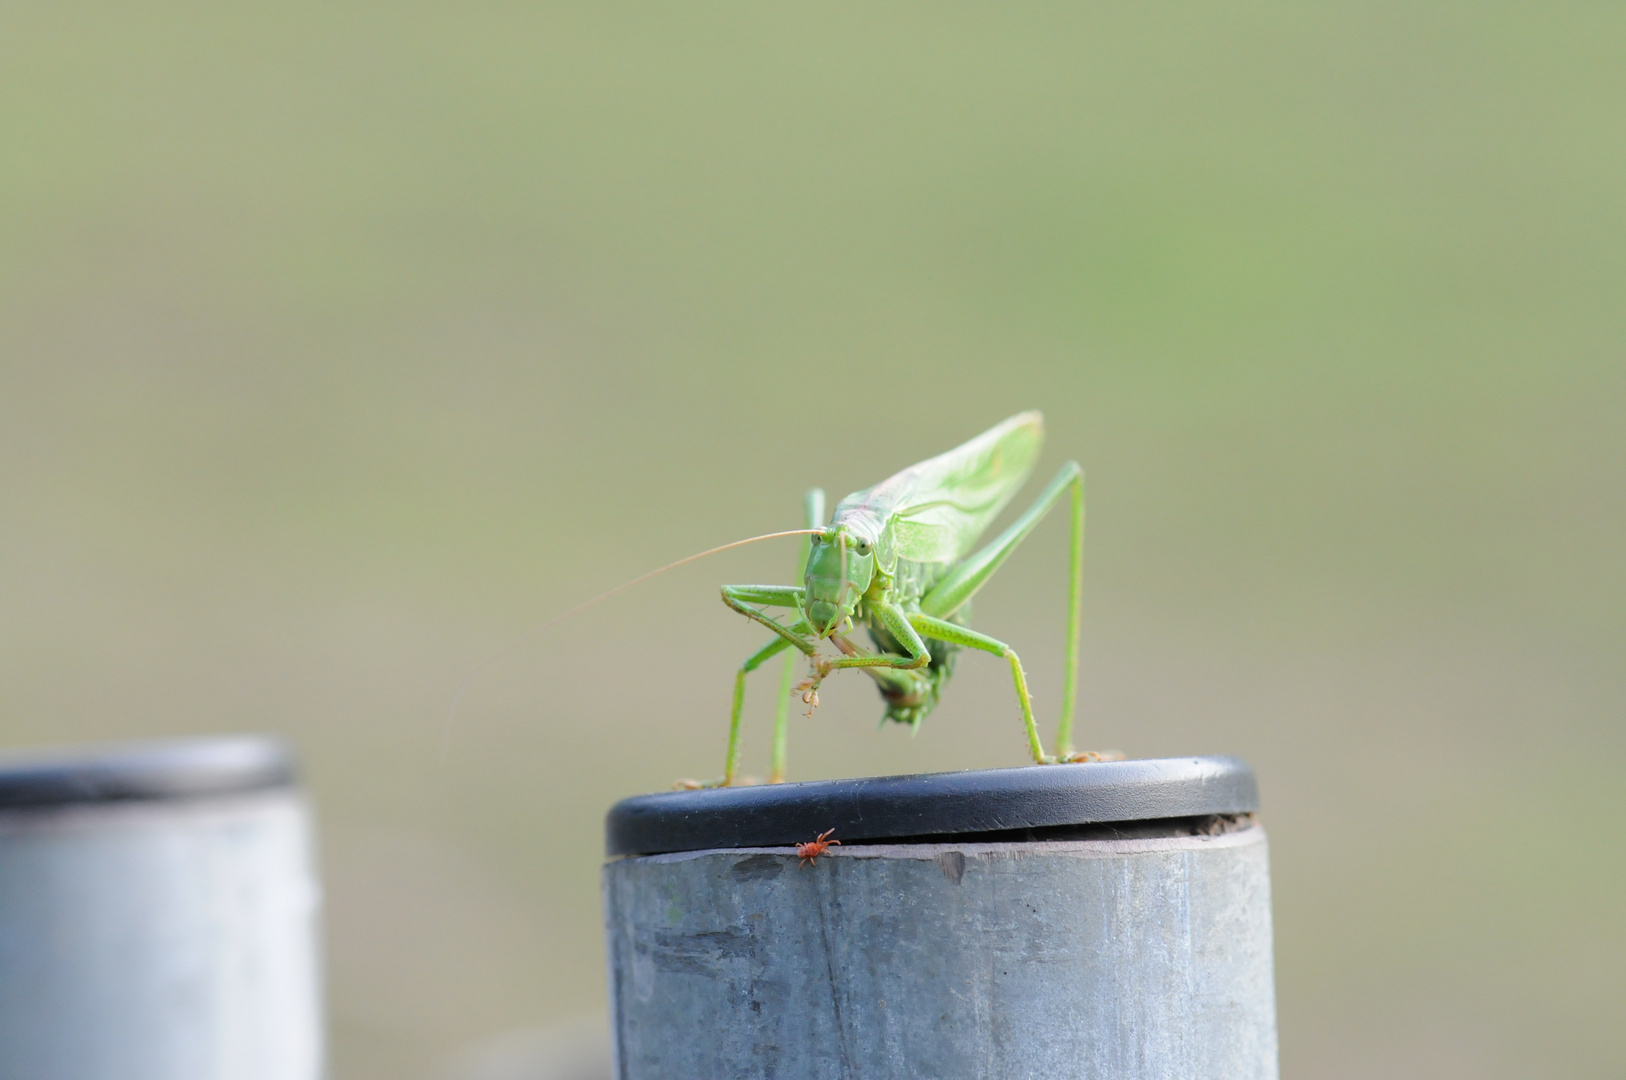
pixel 840 566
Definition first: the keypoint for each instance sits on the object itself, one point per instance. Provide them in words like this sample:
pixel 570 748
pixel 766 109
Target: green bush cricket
pixel 897 558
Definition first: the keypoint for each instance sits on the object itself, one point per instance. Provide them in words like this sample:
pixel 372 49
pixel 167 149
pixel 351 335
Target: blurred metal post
pixel 1105 921
pixel 158 915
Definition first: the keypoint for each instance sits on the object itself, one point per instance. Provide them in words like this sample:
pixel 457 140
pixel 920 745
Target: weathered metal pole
pixel 1106 920
pixel 157 915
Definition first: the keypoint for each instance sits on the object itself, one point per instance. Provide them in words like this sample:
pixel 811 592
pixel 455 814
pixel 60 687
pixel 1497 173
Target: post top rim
pixel 148 770
pixel 931 804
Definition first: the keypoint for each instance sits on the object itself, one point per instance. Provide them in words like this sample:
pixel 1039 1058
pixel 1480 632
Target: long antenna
pixel 462 687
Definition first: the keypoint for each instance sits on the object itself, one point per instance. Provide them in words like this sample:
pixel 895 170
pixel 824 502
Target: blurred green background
pixel 341 345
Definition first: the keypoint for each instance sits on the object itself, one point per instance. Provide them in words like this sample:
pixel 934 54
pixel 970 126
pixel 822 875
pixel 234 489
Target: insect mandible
pixel 897 558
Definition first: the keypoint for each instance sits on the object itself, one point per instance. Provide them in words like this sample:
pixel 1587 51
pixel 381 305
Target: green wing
pixel 939 507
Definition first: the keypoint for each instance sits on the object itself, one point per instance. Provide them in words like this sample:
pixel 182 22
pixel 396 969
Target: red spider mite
pixel 811 850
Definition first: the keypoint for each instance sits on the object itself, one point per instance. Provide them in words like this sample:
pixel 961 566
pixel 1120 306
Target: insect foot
pixel 810 851
pixel 1095 755
pixel 706 785
pixel 810 695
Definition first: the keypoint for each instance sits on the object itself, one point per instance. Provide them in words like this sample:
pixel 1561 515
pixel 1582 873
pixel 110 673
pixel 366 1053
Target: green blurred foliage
pixel 342 344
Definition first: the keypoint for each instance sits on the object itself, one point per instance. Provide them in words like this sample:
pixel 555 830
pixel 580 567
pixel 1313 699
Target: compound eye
pixel 861 547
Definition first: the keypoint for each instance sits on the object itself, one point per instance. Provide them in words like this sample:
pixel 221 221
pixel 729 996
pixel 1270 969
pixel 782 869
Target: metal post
pixel 157 915
pixel 1101 920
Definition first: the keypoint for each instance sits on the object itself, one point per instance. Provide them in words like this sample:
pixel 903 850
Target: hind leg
pixel 962 583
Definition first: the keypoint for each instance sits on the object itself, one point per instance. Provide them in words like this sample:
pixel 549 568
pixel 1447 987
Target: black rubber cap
pixel 932 804
pixel 160 769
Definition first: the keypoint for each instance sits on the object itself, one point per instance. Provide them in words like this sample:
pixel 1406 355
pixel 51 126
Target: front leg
pixel 897 624
pixel 731 763
pixel 740 597
pixel 878 666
